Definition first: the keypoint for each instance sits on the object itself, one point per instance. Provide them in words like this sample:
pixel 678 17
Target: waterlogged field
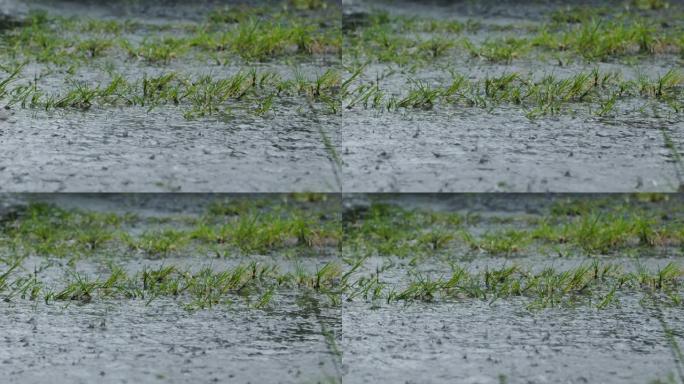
pixel 144 96
pixel 157 288
pixel 513 289
pixel 365 96
pixel 512 96
pixel 310 288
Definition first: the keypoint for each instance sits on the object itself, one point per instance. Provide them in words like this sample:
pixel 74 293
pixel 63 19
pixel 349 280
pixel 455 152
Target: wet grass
pixel 253 92
pixel 589 33
pixel 250 33
pixel 601 40
pixel 599 93
pixel 588 230
pixel 251 283
pixel 240 228
pixel 231 230
pixel 77 51
pixel 498 51
pixel 412 48
pixel 594 284
pixel 424 254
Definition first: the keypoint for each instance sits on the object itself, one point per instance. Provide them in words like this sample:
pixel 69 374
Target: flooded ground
pixel 478 96
pixel 481 343
pixel 161 342
pixel 411 288
pixel 449 337
pixel 368 96
pixel 290 338
pixel 167 96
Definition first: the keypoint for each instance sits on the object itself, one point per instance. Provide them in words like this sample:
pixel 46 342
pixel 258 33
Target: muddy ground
pixel 302 336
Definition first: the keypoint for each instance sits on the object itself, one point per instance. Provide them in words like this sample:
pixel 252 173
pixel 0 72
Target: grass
pixel 593 284
pixel 412 49
pixel 650 4
pixel 599 92
pixel 244 36
pixel 255 35
pixel 199 289
pixel 254 92
pixel 594 34
pixel 50 231
pixel 252 33
pixel 13 73
pixel 422 254
pixel 577 227
pixel 498 51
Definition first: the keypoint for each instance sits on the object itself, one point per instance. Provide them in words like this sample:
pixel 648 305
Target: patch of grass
pixel 498 51
pixel 157 50
pixel 249 33
pixel 250 91
pixel 158 243
pixel 308 4
pixel 650 4
pixel 586 227
pixel 593 284
pixel 577 14
pixel 204 288
pixel 590 33
pixel 13 73
pixel 236 14
pixel 507 242
pixel 548 95
pixel 244 227
pixel 93 48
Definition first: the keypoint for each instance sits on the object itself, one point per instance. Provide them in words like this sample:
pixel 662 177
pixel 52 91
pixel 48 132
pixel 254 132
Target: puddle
pixel 133 342
pixel 479 343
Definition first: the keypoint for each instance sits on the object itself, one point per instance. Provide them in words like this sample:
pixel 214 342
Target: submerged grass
pixel 242 36
pixel 250 228
pixel 254 283
pixel 595 284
